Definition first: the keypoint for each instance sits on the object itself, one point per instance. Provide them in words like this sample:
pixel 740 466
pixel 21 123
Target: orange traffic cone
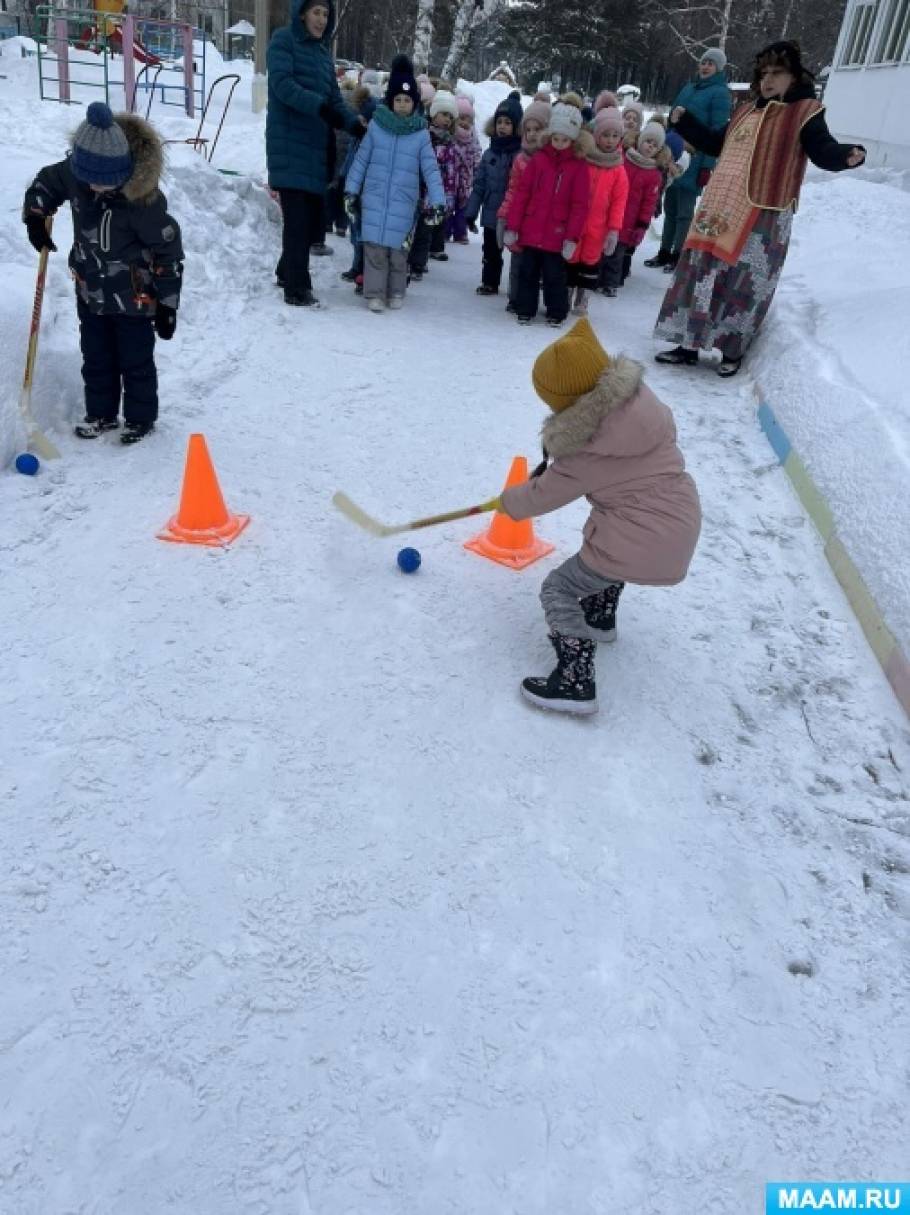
pixel 202 517
pixel 510 543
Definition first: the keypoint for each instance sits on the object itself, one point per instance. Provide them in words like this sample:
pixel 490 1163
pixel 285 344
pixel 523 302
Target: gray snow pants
pixel 561 592
pixel 385 272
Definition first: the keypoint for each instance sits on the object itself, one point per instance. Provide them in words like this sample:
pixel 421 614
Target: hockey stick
pixel 359 516
pixel 37 439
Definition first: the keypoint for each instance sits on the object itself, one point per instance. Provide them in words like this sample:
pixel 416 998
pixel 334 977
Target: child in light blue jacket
pixel 384 183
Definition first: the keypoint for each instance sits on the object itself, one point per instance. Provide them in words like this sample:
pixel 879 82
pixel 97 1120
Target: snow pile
pixel 830 364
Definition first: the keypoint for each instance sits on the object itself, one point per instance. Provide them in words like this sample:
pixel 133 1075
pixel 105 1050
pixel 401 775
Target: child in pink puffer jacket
pixel 534 123
pixel 547 214
pixel 645 181
pixel 612 441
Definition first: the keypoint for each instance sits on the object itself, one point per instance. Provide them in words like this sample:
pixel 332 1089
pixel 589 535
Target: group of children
pixel 570 199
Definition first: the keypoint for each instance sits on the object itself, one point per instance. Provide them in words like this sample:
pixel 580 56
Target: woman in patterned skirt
pixel 737 244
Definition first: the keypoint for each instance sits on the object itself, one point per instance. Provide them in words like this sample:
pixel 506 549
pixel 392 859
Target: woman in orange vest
pixel 737 244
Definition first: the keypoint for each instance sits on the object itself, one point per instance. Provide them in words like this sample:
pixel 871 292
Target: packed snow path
pixel 304 912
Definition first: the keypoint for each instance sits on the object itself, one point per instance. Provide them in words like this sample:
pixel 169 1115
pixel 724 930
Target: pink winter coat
pixel 644 187
pixel 550 200
pixel 609 191
pixel 617 446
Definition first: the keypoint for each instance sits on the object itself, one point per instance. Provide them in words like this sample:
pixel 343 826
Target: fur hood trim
pixel 147 152
pixel 577 145
pixel 594 156
pixel 148 158
pixel 572 429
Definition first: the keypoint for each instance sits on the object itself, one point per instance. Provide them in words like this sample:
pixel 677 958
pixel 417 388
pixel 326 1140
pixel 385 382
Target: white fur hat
pixel 444 103
pixel 653 130
pixel 566 120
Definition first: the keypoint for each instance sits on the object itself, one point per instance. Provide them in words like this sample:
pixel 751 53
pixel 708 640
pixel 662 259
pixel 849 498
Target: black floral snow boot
pixel 570 687
pixel 600 610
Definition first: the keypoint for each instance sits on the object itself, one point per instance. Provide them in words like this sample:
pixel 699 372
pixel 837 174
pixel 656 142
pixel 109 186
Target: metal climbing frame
pixel 103 34
pixel 198 141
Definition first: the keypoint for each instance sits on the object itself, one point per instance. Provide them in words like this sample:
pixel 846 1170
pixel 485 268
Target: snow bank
pixel 829 365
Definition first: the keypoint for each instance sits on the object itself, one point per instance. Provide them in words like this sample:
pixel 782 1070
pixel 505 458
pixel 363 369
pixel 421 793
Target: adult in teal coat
pixel 305 107
pixel 708 97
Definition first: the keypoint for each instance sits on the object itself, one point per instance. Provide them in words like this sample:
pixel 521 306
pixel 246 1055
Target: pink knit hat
pixel 465 106
pixel 537 111
pixel 427 92
pixel 608 119
pixel 605 100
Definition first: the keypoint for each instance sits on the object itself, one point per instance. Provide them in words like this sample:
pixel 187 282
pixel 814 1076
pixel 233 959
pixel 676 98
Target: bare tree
pixel 423 34
pixel 465 20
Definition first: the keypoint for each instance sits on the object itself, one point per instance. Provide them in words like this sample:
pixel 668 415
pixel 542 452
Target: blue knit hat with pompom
pixel 101 154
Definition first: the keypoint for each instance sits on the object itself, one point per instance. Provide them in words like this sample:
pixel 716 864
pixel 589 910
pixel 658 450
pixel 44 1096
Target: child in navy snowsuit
pixel 127 261
pixel 392 158
pixel 490 184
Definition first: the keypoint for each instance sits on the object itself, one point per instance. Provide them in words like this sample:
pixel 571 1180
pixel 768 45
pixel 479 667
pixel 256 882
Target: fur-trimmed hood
pixel 572 429
pixel 578 146
pixel 148 158
pixel 594 156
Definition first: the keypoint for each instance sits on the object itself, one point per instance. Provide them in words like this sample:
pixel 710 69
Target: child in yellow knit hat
pixel 611 440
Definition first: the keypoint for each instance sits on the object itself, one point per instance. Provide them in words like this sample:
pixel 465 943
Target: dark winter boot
pixel 300 299
pixel 671 265
pixel 600 610
pixel 134 431
pixel 679 356
pixel 91 428
pixel 661 258
pixel 570 687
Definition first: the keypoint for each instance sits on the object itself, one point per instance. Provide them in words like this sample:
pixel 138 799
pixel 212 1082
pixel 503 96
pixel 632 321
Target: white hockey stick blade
pixel 37 440
pixel 359 516
pixel 42 446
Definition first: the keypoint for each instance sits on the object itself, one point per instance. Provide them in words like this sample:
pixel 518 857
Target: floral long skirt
pixel 711 304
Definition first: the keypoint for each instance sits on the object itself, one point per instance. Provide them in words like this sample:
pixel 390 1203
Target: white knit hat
pixel 566 120
pixel 444 103
pixel 653 130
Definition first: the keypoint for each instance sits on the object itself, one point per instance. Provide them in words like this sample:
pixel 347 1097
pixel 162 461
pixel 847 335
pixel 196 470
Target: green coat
pixel 305 105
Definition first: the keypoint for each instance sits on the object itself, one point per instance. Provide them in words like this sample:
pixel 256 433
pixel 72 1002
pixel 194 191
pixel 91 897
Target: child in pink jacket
pixel 609 191
pixel 534 124
pixel 612 441
pixel 547 214
pixel 645 181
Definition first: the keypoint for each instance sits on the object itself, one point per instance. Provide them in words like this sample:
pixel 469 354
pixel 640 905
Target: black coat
pixel 127 253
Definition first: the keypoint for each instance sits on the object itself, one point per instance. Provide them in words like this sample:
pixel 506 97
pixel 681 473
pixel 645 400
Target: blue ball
pixel 409 560
pixel 28 464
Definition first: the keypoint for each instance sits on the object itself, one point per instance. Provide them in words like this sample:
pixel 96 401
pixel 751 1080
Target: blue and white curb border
pixel 885 646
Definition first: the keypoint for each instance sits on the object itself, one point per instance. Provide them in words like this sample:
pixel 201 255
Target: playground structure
pixel 82 44
pixel 79 41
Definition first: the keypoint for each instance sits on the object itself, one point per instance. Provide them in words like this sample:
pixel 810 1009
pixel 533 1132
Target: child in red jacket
pixel 547 214
pixel 609 191
pixel 534 125
pixel 644 187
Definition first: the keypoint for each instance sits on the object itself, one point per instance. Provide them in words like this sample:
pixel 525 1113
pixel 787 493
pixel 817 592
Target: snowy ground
pixel 302 910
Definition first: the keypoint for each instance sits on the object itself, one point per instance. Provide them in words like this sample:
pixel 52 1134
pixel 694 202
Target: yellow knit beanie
pixel 570 367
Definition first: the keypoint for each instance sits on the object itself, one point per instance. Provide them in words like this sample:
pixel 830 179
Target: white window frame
pixel 894 34
pixel 861 27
